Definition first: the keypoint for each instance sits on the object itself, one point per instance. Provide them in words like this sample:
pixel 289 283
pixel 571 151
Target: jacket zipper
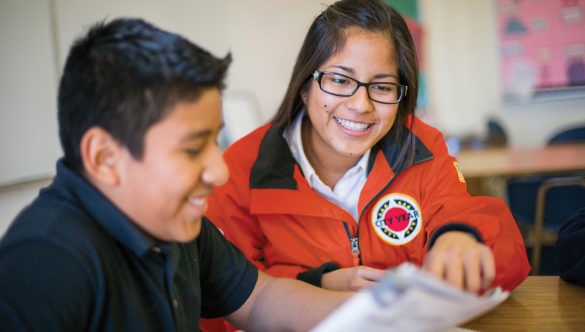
pixel 354 240
pixel 355 246
pixel 355 243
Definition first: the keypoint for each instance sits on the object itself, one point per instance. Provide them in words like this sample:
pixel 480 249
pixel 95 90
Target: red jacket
pixel 269 211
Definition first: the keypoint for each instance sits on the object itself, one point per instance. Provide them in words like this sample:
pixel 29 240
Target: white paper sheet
pixel 409 299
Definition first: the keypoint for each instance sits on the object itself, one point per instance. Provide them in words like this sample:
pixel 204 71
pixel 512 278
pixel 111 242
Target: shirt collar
pixel 295 142
pixel 105 213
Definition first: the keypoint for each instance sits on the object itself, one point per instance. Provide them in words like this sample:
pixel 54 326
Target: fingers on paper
pixel 471 269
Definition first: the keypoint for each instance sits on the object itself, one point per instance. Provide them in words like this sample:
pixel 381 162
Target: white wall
pixel 263 36
pixel 13 198
pixel 28 84
pixel 463 69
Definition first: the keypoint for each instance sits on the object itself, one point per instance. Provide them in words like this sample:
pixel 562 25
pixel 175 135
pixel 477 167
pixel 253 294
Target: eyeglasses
pixel 345 86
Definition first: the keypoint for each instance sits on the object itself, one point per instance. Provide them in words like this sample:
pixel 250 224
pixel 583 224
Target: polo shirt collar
pixel 105 213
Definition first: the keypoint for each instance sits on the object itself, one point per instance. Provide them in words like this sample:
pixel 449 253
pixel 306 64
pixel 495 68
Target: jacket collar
pixel 275 164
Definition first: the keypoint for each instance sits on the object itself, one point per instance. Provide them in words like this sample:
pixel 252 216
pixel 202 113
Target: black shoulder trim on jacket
pixel 313 276
pixel 275 164
pixel 456 226
pixel 391 145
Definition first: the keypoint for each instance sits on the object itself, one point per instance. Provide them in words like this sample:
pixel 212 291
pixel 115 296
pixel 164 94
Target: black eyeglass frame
pixel 318 76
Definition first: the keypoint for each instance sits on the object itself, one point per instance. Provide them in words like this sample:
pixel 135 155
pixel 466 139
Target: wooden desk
pixel 540 303
pixel 479 165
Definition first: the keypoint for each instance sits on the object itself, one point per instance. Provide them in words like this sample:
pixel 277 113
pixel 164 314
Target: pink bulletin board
pixel 542 47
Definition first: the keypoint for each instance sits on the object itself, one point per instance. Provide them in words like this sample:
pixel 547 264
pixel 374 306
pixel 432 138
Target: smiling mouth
pixel 197 201
pixel 355 126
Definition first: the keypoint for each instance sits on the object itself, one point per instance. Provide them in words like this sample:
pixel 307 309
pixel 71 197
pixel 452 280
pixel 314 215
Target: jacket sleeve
pixel 229 210
pixel 570 248
pixel 446 201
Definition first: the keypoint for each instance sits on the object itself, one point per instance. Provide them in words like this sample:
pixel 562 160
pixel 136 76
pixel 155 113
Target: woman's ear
pixel 304 96
pixel 100 154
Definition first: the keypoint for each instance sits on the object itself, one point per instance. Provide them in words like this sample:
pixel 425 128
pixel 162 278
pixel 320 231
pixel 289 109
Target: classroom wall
pixel 262 35
pixel 462 66
pixel 460 45
pixel 28 84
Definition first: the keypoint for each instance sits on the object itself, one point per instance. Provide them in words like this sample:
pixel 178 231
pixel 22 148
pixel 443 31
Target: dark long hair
pixel 326 36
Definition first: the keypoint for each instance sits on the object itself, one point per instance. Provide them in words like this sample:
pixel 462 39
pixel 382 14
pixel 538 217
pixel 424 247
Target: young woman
pixel 346 181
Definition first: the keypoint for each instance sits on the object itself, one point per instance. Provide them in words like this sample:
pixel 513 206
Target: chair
pixel 540 204
pixel 572 198
pixel 567 136
pixel 241 115
pixel 495 137
pixel 496 134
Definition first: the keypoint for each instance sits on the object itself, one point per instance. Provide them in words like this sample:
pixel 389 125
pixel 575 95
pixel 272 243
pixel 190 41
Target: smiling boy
pixel 118 241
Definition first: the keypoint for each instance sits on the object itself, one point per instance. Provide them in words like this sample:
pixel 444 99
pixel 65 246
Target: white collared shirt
pixel 347 190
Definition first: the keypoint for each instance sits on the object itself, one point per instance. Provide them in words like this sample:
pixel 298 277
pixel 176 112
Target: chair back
pixel 540 204
pixel 567 136
pixel 496 134
pixel 241 115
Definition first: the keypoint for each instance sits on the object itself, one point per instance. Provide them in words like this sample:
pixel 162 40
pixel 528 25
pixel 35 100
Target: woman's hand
pixel 459 259
pixel 351 279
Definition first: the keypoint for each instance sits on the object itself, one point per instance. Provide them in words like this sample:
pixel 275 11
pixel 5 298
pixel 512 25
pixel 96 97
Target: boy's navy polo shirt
pixel 71 261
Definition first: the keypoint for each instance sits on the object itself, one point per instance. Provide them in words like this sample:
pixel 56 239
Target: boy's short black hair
pixel 126 75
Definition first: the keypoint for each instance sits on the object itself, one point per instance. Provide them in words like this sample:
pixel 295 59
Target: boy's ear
pixel 100 154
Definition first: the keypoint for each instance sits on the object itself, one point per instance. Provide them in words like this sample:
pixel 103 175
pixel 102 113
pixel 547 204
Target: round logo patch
pixel 397 218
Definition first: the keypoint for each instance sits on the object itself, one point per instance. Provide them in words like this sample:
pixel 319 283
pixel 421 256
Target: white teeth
pixel 197 201
pixel 356 126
